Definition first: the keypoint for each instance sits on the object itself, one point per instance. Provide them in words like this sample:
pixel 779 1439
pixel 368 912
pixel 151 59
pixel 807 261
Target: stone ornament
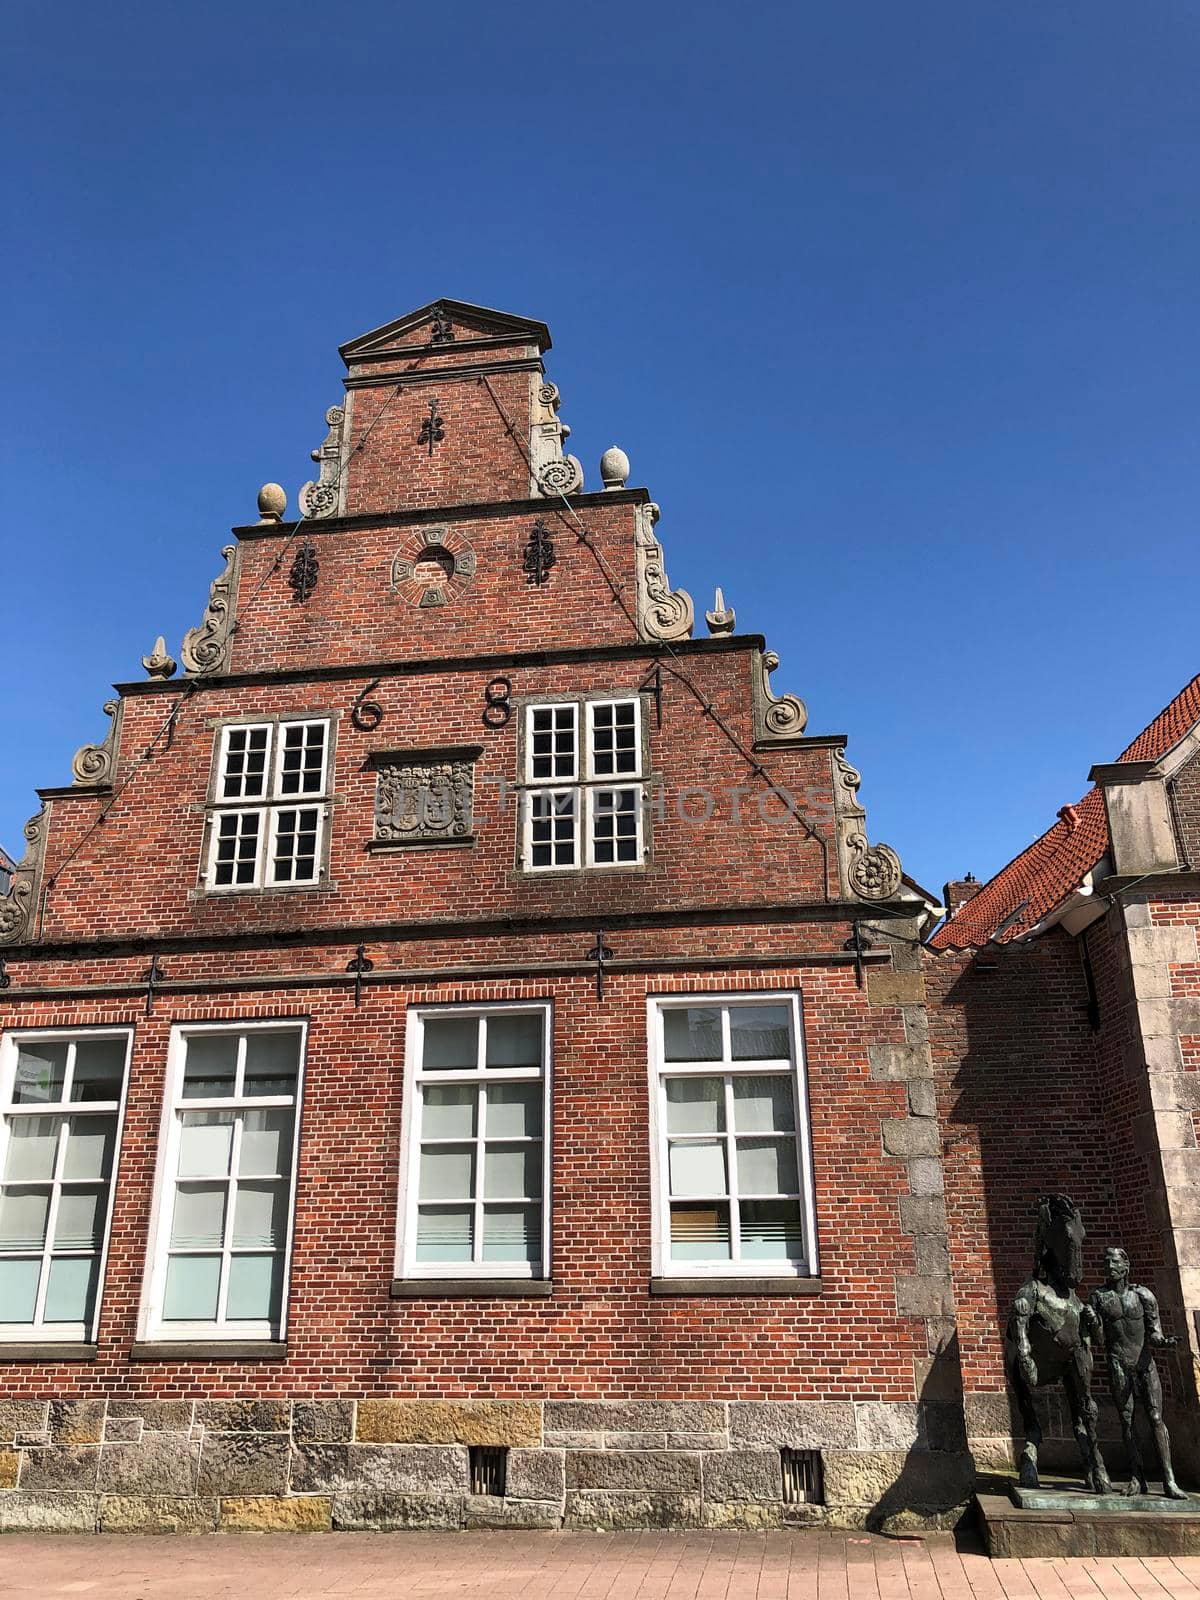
pixel 206 647
pixel 867 872
pixel 662 612
pixel 874 870
pixel 158 663
pixel 776 717
pixel 425 797
pixel 614 468
pixel 272 503
pixel 323 498
pixel 16 907
pixel 95 764
pixel 433 567
pixel 553 472
pixel 721 618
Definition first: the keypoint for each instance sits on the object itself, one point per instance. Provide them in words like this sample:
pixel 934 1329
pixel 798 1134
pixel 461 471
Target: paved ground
pixel 552 1566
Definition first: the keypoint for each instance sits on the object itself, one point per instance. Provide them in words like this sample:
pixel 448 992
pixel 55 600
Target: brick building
pixel 1064 995
pixel 444 1079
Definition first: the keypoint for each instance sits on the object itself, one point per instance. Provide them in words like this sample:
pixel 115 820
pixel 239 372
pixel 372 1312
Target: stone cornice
pixel 469 511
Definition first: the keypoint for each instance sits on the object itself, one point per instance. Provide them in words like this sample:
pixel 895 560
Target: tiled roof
pixel 1042 876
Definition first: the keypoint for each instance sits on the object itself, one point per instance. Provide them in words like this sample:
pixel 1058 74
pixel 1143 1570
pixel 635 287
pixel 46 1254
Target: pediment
pixel 441 325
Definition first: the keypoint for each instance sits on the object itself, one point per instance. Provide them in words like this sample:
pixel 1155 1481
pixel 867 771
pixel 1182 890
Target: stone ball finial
pixel 614 468
pixel 272 502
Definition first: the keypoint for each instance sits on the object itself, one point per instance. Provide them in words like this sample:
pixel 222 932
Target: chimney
pixel 958 891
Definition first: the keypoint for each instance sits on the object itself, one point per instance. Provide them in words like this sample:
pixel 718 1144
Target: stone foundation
pixel 167 1466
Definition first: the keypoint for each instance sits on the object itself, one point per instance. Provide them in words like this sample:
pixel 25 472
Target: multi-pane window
pixel 60 1111
pixel 269 805
pixel 223 1223
pixel 733 1192
pixel 583 801
pixel 475 1183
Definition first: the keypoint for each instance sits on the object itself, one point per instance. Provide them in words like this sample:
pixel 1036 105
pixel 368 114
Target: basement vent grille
pixel 488 1463
pixel 801 1477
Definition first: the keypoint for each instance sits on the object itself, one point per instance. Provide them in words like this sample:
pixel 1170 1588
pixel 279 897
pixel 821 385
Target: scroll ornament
pixel 554 472
pixel 662 612
pixel 206 647
pixel 95 764
pixel 16 907
pixel 874 870
pixel 781 716
pixel 323 497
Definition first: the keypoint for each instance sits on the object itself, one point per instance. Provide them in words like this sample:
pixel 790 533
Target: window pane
pixel 204 1143
pixel 295 856
pixel 771 1230
pixel 99 1068
pixel 515 1110
pixel 255 1288
pixel 700 1233
pixel 447 1172
pixel 245 762
pixel 32 1142
pixel 448 1110
pixel 614 738
pixel 18 1290
pixel 445 1233
pixel 260 1216
pixel 23 1214
pixel 698 1168
pixel 191 1292
pixel 71 1289
pixel 692 1033
pixel 89 1151
pixel 695 1105
pixel 512 1233
pixel 199 1219
pixel 41 1068
pixel 552 827
pixel 514 1040
pixel 80 1221
pixel 211 1066
pixel 266 1143
pixel 767 1166
pixel 272 1060
pixel 760 1033
pixel 512 1171
pixel 451 1043
pixel 301 758
pixel 615 825
pixel 236 858
pixel 764 1105
pixel 552 742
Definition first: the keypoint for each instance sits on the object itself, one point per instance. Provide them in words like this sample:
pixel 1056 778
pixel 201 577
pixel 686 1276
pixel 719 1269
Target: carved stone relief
pixel 553 472
pixel 16 907
pixel 424 797
pixel 206 647
pixel 325 497
pixel 776 717
pixel 868 872
pixel 95 764
pixel 662 612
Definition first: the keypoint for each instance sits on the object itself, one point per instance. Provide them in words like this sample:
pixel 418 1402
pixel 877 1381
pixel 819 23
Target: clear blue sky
pixel 893 307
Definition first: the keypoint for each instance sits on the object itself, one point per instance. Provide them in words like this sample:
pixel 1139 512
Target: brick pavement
pixel 557 1566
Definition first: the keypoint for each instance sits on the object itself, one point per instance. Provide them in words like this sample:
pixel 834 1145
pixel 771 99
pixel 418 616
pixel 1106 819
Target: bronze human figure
pixel 1127 1316
pixel 1048 1340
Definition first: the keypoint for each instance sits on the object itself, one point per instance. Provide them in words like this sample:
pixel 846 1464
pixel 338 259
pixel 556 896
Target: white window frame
pixel 407 1266
pixel 584 786
pixel 267 807
pixel 151 1326
pixel 663 1265
pixel 39 1331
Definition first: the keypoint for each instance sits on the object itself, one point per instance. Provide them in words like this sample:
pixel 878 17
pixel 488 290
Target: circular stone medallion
pixel 432 567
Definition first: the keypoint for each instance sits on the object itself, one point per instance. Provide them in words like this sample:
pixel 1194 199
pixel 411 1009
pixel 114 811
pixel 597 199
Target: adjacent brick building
pixel 445 1080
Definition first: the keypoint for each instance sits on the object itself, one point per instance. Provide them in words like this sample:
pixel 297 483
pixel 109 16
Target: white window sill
pixel 470 1288
pixel 208 1350
pixel 735 1284
pixel 46 1350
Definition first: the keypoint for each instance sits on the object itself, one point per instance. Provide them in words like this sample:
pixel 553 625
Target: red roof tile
pixel 1044 874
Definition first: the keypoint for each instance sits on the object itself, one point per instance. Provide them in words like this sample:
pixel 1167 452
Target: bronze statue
pixel 1126 1314
pixel 1048 1340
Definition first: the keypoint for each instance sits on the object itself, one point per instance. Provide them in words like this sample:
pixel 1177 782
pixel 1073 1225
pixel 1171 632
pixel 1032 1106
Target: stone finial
pixel 272 503
pixel 722 617
pixel 614 468
pixel 158 663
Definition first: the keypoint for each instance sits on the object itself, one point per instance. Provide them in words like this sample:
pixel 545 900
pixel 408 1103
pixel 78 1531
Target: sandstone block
pixel 372 1511
pixel 730 1475
pixel 800 1424
pixel 72 1467
pixel 77 1421
pixel 10 1466
pixel 655 1471
pixel 888 988
pixel 47 1513
pixel 922 1213
pixel 490 1511
pixel 512 1422
pixel 697 1441
pixel 922 1098
pixel 635 1416
pixel 899 1063
pixel 322 1421
pixel 122 1430
pixel 937 1378
pixel 158 1416
pixel 244 1416
pixel 943 1424
pixel 918 1296
pixel 989 1414
pixel 572 1440
pixel 157 1513
pixel 889 1424
pixel 161 1463
pixel 902 1480
pixel 310 1513
pixel 370 1468
pixel 535 1475
pixel 748 1514
pixel 243 1463
pixel 611 1512
pixel 911 1136
pixel 635 1441
pixel 23 1416
pixel 933 1256
pixel 925 1176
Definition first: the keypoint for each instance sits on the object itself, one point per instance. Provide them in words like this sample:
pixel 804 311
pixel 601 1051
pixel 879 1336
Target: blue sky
pixel 892 307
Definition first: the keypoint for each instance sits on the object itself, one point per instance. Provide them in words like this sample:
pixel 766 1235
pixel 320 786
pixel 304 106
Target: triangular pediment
pixel 443 324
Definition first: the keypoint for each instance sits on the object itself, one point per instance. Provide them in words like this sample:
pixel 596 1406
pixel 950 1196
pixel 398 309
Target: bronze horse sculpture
pixel 1049 1340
